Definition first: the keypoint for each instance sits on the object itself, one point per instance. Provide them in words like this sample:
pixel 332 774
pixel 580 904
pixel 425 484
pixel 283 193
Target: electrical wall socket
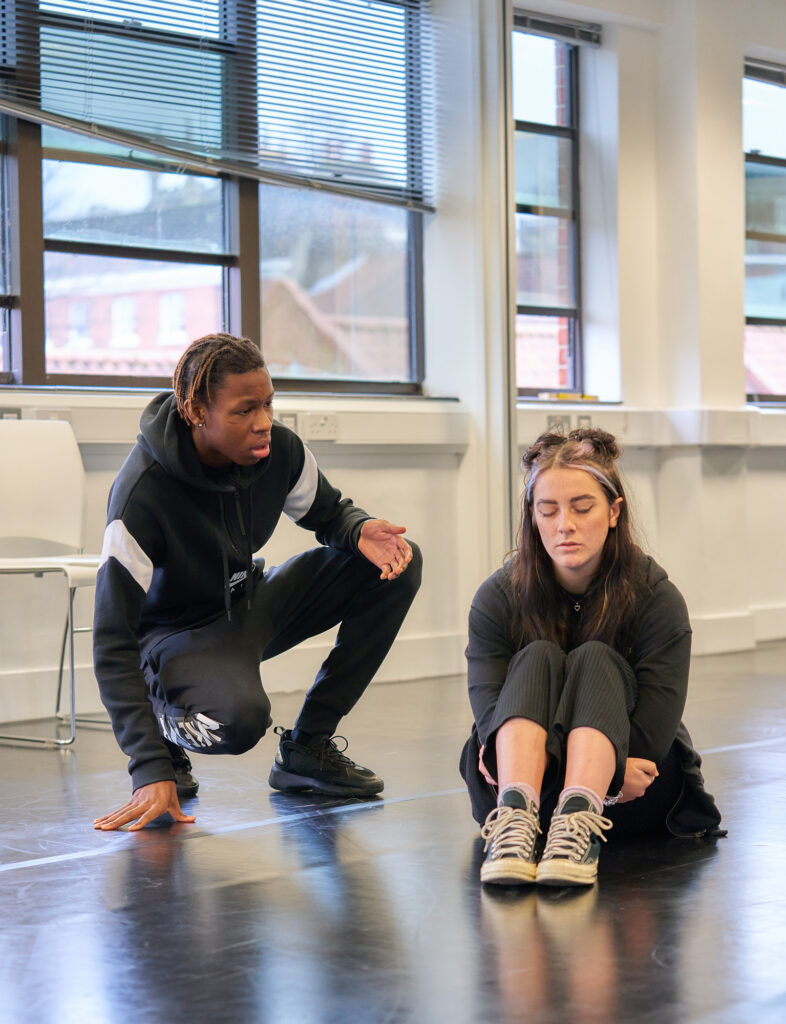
pixel 319 426
pixel 50 414
pixel 558 422
pixel 288 419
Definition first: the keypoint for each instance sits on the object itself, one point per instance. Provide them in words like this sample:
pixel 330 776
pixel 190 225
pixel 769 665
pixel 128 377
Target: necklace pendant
pixel 577 607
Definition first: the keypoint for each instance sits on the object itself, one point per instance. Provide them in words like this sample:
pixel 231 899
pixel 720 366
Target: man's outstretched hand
pixel 381 543
pixel 147 804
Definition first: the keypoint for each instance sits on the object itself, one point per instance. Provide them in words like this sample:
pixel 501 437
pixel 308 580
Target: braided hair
pixel 205 365
pixel 540 610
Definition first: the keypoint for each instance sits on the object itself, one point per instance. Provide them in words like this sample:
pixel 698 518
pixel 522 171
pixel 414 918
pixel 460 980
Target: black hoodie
pixel 178 552
pixel 659 654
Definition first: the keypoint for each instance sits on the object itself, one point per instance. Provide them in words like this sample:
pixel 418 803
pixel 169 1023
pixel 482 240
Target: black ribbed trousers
pixel 205 685
pixel 591 686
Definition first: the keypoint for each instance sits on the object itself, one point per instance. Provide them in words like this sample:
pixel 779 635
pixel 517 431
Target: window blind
pixel 330 93
pixel 569 31
pixel 765 71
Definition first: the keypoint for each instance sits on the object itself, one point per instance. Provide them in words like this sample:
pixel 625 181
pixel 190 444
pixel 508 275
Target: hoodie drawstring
pixel 247 534
pixel 225 560
pixel 249 552
pixel 249 549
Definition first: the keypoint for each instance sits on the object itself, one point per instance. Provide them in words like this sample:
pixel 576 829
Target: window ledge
pixel 745 427
pixel 326 423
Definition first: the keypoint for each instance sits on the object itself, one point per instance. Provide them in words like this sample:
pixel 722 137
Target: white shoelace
pixel 511 832
pixel 570 834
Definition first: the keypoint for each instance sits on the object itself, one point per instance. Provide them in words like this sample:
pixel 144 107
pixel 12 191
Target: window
pixel 106 228
pixel 764 143
pixel 220 166
pixel 334 287
pixel 546 211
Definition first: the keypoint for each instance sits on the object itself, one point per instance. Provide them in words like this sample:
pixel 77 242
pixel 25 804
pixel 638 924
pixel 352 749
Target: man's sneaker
pixel 573 844
pixel 511 832
pixel 320 765
pixel 186 784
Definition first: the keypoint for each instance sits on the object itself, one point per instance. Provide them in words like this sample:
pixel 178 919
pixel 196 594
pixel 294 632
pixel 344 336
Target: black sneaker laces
pixel 331 754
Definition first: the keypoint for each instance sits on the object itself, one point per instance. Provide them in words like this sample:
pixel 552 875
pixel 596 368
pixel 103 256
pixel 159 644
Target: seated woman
pixel 578 656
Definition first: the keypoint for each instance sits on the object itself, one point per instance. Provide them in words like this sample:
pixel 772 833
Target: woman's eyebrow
pixel 553 501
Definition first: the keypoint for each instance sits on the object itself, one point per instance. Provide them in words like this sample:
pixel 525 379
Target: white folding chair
pixel 42 488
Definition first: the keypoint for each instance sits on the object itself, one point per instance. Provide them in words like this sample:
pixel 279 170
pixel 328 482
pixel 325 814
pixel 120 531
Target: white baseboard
pixel 770 621
pixel 31 693
pixel 720 634
pixel 28 694
pixel 412 657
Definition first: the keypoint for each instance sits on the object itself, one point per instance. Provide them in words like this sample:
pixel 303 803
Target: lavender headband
pixel 600 476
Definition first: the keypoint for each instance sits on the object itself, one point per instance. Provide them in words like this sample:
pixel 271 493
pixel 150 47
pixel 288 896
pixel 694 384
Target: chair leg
pixel 71 592
pixel 60 669
pixel 42 741
pixel 58 708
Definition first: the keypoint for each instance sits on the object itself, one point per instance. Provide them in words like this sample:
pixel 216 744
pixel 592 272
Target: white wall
pixel 663 200
pixel 664 204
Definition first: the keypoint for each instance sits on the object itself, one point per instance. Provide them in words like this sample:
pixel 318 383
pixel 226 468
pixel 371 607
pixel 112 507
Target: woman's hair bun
pixel 604 443
pixel 546 442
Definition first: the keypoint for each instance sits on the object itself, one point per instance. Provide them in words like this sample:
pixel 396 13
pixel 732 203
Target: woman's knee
pixel 542 647
pixel 594 651
pixel 539 658
pixel 595 660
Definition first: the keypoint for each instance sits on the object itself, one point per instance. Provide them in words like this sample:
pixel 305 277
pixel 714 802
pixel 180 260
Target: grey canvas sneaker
pixel 511 832
pixel 321 766
pixel 573 844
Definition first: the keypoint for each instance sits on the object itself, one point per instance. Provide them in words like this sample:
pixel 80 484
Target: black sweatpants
pixel 592 686
pixel 205 684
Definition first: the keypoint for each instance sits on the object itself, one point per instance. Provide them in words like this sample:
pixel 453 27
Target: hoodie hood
pixel 168 440
pixel 165 436
pixel 652 572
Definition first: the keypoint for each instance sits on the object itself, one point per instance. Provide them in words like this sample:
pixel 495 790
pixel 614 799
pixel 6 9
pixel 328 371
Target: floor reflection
pixel 610 952
pixel 285 932
pixel 288 910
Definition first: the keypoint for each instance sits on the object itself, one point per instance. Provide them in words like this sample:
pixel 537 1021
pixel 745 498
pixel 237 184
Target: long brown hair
pixel 541 610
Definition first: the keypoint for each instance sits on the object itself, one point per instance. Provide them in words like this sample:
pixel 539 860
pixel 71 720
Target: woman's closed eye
pixel 549 513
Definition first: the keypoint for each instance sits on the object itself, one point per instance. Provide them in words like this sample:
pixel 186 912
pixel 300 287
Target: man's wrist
pixel 159 770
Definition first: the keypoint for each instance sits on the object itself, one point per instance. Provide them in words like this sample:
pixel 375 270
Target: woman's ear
pixel 614 512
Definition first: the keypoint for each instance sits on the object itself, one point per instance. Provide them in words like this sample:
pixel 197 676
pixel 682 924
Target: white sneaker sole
pixel 508 871
pixel 561 871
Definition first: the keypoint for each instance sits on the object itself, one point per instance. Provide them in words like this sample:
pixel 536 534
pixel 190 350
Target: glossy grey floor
pixel 278 909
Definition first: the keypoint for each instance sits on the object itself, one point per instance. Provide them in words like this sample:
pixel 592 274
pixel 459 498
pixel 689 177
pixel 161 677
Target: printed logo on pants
pixel 194 730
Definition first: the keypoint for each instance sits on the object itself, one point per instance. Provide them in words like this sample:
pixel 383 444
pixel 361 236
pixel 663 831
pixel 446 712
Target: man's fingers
pixel 150 815
pixel 117 820
pixel 402 559
pixel 392 528
pixel 125 813
pixel 142 812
